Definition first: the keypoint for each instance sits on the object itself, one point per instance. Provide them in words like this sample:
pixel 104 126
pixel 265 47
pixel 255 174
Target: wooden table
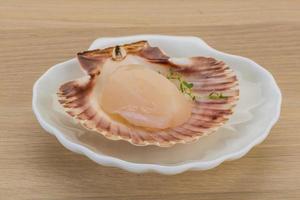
pixel 34 36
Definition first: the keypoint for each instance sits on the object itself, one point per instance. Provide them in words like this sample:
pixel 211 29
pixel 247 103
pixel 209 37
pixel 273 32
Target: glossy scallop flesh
pixel 80 98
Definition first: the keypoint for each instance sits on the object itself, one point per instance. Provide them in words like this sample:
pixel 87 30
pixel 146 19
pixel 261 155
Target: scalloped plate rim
pixel 163 169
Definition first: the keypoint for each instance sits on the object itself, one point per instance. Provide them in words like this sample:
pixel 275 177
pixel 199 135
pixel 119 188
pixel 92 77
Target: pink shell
pixel 207 75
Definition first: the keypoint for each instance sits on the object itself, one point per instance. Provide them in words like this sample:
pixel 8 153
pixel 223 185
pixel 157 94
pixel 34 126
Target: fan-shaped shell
pixel 207 74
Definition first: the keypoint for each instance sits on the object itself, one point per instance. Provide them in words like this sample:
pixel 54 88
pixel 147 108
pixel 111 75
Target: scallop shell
pixel 207 74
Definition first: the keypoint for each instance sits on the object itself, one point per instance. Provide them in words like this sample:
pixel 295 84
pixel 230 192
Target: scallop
pixel 137 93
pixel 148 99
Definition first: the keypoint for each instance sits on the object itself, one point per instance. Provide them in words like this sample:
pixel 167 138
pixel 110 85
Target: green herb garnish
pixel 188 85
pixel 217 95
pixel 184 86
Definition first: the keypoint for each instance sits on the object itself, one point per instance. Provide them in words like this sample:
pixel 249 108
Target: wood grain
pixel 35 35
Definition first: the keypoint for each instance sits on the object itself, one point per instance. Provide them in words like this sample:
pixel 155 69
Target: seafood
pixel 135 92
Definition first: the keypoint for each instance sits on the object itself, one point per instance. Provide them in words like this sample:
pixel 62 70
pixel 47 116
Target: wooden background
pixel 34 35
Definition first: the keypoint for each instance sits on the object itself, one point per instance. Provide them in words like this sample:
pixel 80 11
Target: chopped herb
pixel 188 85
pixel 184 86
pixel 217 95
pixel 181 88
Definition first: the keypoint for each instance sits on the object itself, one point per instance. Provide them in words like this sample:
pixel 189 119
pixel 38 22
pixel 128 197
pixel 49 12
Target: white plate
pixel 256 112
